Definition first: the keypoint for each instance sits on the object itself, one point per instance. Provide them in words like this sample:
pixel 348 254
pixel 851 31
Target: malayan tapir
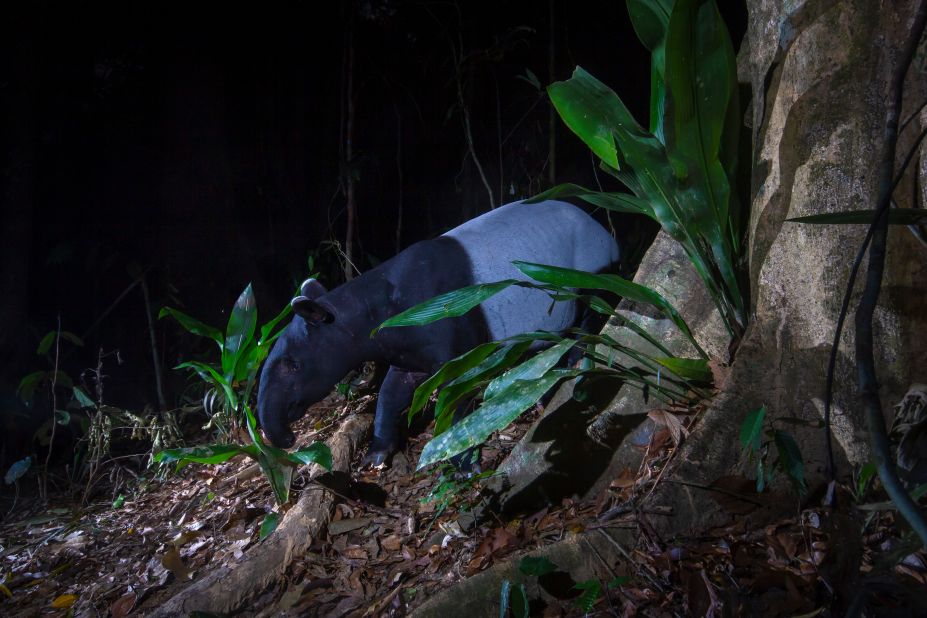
pixel 330 334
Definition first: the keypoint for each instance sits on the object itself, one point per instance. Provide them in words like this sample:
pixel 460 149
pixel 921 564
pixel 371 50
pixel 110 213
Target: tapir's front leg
pixel 395 396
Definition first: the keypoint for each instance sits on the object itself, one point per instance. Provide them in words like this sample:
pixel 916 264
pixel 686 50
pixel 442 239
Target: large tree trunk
pixel 820 77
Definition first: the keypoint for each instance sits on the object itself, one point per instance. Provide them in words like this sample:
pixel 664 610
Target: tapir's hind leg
pixel 395 396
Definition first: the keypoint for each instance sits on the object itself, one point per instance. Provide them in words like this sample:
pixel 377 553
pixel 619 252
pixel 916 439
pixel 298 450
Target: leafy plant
pixel 241 355
pixel 788 456
pixel 511 385
pixel 682 171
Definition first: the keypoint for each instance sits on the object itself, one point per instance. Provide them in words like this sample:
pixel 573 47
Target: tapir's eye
pixel 291 365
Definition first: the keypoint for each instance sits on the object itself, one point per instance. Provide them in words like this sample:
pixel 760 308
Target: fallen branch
pixel 227 588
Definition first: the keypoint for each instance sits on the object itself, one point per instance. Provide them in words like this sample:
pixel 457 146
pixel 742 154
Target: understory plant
pixel 681 172
pixel 242 349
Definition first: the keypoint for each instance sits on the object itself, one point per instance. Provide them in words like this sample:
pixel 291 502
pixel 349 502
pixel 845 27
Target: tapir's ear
pixel 311 289
pixel 311 311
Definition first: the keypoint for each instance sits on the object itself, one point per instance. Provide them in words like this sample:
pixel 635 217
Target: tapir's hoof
pixel 377 458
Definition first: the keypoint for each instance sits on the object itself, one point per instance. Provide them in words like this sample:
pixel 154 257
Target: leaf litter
pixel 394 541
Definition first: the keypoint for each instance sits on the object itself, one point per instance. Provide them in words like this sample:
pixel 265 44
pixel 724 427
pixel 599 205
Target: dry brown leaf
pixel 172 561
pixel 624 480
pixel 123 605
pixel 671 422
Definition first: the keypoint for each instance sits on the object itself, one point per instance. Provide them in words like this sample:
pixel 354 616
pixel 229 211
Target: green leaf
pixel 240 330
pixel 449 304
pixel 69 336
pixel 520 607
pixel 592 590
pixel 46 343
pixel 790 460
pixel 267 331
pixel 450 370
pixel 193 325
pixel 896 216
pixel 209 374
pixel 473 379
pixel 83 401
pixel 119 501
pixel 494 414
pixel 613 283
pixel 209 454
pixel 651 22
pixel 532 369
pixel 28 384
pixel 752 429
pixel 278 474
pixel 269 524
pixel 594 113
pixel 536 566
pixel 866 474
pixel 317 452
pixel 695 369
pixel 618 202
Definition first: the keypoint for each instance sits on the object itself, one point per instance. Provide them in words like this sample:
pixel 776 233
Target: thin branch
pixel 844 308
pixel 465 113
pixel 865 357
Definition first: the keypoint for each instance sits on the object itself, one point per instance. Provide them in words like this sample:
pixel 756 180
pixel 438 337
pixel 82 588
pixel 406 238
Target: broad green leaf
pixel 494 414
pixel 450 396
pixel 267 331
pixel 790 460
pixel 193 325
pixel 618 202
pixel 317 452
pixel 28 384
pixel 532 369
pixel 701 77
pixel 210 454
pixel 594 112
pixel 519 602
pixel 269 524
pixel 613 283
pixel 751 429
pixel 69 336
pixel 82 399
pixel 277 473
pixel 211 375
pixel 46 343
pixel 695 369
pixel 536 567
pixel 449 304
pixel 119 501
pixel 240 330
pixel 651 21
pixel 450 370
pixel 896 216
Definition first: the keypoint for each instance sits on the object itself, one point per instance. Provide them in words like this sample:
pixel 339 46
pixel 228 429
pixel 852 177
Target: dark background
pixel 205 151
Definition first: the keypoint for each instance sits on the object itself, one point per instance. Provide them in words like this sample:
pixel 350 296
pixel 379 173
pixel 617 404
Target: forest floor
pixel 401 537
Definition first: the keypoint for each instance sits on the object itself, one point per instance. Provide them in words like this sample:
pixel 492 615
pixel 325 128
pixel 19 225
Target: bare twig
pixel 54 414
pixel 465 114
pixel 155 357
pixel 349 152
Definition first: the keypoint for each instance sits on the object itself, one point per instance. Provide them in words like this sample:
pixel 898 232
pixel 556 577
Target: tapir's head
pixel 303 365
